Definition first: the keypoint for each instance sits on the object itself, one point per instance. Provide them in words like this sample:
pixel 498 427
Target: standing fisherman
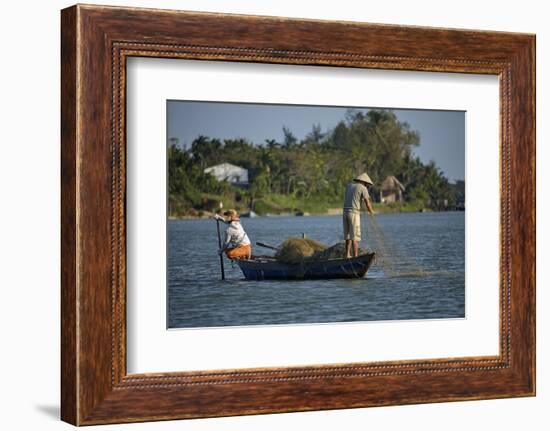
pixel 236 244
pixel 356 192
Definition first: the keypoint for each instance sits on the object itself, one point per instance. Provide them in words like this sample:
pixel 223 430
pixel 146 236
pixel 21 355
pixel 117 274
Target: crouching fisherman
pixel 236 244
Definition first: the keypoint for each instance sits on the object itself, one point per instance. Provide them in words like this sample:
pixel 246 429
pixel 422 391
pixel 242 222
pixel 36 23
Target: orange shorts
pixel 241 252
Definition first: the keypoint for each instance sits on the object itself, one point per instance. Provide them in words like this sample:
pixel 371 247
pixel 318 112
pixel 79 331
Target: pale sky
pixel 442 133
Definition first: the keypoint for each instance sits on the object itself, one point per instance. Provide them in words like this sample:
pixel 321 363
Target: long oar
pixel 262 244
pixel 220 247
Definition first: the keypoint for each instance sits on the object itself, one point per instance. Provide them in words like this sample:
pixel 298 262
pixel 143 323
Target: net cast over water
pixel 394 261
pixel 391 258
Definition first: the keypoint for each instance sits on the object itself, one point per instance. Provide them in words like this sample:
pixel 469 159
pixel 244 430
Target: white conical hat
pixel 364 177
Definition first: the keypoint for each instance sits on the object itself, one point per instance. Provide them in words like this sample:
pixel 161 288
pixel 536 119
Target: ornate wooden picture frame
pixel 96 42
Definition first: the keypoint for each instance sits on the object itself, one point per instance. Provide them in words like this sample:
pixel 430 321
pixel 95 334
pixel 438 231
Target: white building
pixel 228 172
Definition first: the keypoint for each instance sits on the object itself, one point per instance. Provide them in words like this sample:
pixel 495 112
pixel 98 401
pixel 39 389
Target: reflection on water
pixel 429 285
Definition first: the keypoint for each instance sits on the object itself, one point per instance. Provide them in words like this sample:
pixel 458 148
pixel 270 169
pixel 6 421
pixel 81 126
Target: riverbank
pixel 393 208
pixel 283 205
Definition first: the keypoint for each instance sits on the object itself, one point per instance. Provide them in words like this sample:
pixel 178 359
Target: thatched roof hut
pixel 391 183
pixel 391 190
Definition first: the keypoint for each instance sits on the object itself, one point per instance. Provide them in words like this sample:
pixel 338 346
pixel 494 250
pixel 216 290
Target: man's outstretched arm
pixel 368 204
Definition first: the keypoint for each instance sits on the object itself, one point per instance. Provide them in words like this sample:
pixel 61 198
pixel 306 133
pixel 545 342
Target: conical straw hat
pixel 364 178
pixel 232 214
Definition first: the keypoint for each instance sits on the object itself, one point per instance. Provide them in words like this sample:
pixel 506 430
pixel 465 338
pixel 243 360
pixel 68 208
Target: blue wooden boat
pixel 268 268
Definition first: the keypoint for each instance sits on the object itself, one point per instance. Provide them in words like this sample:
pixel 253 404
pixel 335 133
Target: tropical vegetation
pixel 309 174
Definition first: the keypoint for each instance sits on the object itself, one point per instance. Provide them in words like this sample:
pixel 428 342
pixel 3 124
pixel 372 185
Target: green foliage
pixel 310 174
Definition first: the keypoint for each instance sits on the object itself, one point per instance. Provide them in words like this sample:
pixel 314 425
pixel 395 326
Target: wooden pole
pixel 220 247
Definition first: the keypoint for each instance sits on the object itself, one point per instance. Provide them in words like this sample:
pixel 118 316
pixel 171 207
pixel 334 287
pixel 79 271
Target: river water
pixel 430 242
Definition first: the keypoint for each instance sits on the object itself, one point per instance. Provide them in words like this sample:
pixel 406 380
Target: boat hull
pixel 271 269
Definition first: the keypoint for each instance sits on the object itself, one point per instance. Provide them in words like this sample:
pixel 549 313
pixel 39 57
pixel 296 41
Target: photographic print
pixel 254 250
pixel 295 214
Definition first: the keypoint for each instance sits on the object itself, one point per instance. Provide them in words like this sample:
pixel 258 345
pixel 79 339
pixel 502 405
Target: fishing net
pixel 296 250
pixel 391 258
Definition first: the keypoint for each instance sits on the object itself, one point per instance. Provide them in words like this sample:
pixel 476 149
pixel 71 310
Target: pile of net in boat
pixel 296 250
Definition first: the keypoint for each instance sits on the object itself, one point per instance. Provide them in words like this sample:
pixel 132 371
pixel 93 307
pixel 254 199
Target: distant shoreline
pixel 333 212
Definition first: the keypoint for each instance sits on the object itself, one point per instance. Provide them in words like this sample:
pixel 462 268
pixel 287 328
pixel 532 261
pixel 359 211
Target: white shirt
pixel 235 235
